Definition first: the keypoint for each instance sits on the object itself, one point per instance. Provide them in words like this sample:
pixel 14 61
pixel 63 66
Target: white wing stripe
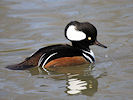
pixel 48 59
pixel 40 60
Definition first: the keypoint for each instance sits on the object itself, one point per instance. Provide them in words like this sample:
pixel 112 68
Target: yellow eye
pixel 89 38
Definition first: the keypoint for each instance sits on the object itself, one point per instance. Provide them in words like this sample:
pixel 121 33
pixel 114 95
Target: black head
pixel 82 34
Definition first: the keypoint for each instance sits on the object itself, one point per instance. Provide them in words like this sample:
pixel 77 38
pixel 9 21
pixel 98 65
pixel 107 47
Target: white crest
pixel 75 35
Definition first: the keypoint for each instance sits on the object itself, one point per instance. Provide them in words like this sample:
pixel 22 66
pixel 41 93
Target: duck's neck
pixel 86 52
pixel 80 46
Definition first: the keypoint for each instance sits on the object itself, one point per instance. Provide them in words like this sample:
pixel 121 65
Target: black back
pixel 60 50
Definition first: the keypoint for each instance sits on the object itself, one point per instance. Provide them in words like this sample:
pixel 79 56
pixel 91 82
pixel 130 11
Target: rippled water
pixel 27 25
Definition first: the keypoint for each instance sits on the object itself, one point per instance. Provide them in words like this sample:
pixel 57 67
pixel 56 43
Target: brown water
pixel 27 25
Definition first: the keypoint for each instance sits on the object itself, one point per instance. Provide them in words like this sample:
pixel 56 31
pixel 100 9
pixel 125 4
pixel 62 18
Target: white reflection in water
pixel 76 85
pixel 82 84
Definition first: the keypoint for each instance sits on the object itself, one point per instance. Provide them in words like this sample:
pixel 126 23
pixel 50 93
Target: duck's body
pixel 80 34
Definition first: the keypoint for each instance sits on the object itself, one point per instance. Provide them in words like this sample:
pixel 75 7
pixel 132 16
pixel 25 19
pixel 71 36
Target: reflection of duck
pixel 86 85
pixel 77 81
pixel 62 70
pixel 81 34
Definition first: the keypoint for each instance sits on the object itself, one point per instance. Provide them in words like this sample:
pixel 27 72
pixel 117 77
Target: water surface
pixel 26 26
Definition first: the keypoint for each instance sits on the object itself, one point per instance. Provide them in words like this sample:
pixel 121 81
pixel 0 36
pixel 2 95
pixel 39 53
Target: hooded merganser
pixel 81 34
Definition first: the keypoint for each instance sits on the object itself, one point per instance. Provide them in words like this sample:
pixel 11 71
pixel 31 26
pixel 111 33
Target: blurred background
pixel 27 25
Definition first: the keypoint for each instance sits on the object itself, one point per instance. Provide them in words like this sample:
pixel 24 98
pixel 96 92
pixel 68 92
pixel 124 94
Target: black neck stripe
pixel 90 56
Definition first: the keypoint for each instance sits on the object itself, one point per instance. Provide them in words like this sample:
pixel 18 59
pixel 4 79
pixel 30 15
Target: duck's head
pixel 82 34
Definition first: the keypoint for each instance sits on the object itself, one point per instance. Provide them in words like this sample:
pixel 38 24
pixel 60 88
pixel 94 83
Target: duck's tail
pixel 28 63
pixel 19 66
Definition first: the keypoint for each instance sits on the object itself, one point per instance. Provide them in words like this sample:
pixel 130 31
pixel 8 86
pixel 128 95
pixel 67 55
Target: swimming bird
pixel 81 35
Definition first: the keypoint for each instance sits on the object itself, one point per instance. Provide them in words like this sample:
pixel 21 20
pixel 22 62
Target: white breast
pixel 89 55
